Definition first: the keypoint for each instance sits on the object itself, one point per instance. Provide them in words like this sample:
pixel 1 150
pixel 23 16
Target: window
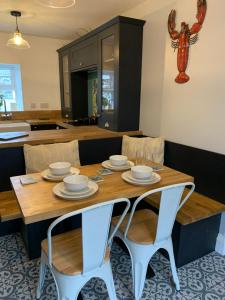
pixel 11 87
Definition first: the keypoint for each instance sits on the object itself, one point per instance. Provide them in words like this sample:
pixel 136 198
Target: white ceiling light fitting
pixel 57 3
pixel 17 41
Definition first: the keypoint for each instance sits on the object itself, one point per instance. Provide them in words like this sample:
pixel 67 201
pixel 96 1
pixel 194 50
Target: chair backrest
pixel 170 203
pixel 38 158
pixel 96 220
pixel 146 147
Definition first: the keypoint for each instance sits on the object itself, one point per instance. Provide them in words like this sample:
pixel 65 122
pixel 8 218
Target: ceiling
pixel 67 23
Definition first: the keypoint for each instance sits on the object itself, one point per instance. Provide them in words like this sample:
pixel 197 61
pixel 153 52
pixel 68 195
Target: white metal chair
pixel 76 256
pixel 143 232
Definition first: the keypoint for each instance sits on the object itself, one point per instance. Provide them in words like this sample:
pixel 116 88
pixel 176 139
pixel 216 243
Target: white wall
pixel 192 113
pixel 39 68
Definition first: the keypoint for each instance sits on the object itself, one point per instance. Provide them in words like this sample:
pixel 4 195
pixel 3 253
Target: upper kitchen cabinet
pixel 84 54
pixel 120 59
pixel 107 77
pixel 65 83
pixel 105 74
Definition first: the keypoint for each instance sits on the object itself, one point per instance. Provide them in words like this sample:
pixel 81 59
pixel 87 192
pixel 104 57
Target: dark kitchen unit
pixel 100 76
pixel 46 127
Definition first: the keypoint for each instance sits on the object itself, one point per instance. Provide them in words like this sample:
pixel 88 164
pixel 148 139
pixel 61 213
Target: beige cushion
pixel 148 148
pixel 38 158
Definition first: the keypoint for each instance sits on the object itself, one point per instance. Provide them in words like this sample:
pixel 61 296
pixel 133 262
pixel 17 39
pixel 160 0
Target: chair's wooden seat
pixel 67 252
pixel 197 207
pixel 9 208
pixel 143 226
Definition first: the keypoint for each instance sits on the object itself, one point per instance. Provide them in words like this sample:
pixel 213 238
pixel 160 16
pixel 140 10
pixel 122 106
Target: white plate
pixel 93 188
pixel 153 179
pixel 149 179
pixel 46 174
pixel 64 191
pixel 107 164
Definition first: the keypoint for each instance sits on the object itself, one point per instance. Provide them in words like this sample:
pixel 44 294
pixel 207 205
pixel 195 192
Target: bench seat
pixel 198 207
pixel 196 227
pixel 9 208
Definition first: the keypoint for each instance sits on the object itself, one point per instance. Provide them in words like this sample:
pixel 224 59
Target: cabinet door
pixel 108 44
pixel 84 54
pixel 65 85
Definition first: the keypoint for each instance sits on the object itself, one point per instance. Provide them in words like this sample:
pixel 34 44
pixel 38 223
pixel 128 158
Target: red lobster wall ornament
pixel 186 37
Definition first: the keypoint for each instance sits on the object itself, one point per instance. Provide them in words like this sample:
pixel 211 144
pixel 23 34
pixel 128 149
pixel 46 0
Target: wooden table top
pixel 37 201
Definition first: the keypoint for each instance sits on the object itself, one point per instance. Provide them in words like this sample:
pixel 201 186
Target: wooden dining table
pixel 39 206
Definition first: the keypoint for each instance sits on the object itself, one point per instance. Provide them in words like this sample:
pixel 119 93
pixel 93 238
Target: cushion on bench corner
pixel 146 147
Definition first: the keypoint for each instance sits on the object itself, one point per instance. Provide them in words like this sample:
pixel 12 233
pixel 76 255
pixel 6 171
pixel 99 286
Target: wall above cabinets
pixel 113 52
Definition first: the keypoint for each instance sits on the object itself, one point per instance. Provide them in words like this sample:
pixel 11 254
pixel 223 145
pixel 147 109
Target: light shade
pixel 18 42
pixel 57 3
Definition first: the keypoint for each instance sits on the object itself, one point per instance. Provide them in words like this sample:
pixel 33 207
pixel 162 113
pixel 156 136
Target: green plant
pixel 105 102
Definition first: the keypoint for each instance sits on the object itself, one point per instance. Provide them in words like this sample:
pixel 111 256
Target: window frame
pixel 16 84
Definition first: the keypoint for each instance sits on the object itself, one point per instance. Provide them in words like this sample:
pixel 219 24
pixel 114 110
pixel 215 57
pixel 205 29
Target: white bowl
pixel 141 172
pixel 60 168
pixel 118 160
pixel 75 183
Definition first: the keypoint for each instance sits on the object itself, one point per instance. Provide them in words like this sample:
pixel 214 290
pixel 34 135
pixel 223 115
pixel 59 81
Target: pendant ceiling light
pixel 17 41
pixel 57 3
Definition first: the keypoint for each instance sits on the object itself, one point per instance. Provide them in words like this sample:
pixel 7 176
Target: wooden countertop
pixel 63 135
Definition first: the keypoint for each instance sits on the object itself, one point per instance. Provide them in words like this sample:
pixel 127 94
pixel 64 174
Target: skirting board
pixel 220 244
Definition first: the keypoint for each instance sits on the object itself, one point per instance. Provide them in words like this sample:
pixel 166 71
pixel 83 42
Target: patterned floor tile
pixel 203 279
pixel 12 251
pixel 217 291
pixel 95 289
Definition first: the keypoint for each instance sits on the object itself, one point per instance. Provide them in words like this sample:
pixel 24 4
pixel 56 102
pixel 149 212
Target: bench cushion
pixel 147 148
pixel 197 207
pixel 38 158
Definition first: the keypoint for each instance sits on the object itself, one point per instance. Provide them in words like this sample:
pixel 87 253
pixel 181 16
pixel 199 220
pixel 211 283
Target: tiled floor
pixel 201 279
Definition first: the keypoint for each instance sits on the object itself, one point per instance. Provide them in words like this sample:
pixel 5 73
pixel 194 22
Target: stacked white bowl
pixel 60 168
pixel 118 160
pixel 75 183
pixel 141 172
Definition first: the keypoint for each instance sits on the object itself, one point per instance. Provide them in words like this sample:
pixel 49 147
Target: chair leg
pixel 139 270
pixel 41 280
pixel 108 278
pixel 173 265
pixel 68 287
pixel 68 294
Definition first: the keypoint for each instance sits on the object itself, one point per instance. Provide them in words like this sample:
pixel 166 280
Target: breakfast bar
pixel 68 134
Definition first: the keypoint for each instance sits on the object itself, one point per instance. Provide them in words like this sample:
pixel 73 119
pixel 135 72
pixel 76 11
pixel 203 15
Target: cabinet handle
pixel 81 64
